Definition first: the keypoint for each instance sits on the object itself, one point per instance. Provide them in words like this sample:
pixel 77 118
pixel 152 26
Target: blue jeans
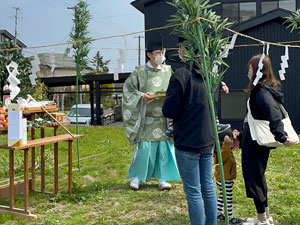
pixel 196 173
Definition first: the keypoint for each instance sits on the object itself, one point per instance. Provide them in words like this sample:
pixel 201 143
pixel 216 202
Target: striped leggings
pixel 228 188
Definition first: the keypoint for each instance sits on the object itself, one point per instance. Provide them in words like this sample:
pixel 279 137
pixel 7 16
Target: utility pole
pixel 139 59
pixel 16 23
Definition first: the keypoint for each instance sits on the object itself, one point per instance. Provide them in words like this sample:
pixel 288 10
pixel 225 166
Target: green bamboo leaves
pixel 211 28
pixel 79 34
pixel 293 21
pixel 204 49
pixel 81 49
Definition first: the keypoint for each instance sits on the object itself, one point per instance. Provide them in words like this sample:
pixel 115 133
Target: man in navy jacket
pixel 187 104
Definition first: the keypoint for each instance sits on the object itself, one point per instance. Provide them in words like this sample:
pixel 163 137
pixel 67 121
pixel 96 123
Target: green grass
pixel 101 194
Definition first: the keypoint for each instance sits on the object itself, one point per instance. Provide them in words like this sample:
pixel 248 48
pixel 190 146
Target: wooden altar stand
pixel 29 184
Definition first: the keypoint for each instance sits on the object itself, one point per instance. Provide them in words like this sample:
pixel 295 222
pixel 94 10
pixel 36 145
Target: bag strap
pixel 285 113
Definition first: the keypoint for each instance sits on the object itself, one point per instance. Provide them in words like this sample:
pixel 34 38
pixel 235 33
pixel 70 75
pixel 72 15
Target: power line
pixel 108 40
pixel 54 6
pixel 114 16
pixel 109 22
pixel 157 28
pixel 60 3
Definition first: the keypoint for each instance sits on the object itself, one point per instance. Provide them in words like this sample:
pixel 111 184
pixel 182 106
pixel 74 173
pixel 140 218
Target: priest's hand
pixel 148 97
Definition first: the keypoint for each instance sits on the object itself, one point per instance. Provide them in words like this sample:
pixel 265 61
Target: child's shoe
pixel 221 217
pixel 234 220
pixel 222 127
pixel 169 133
pixel 135 183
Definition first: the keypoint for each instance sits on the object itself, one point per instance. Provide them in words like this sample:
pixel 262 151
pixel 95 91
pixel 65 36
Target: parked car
pixel 84 113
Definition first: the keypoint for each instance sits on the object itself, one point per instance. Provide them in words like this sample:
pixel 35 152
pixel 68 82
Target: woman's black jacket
pixel 264 99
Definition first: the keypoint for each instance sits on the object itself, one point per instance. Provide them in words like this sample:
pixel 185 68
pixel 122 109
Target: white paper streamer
pixel 116 74
pixel 284 64
pixel 52 61
pixel 13 65
pixel 36 57
pixel 268 47
pixel 12 69
pixel 122 60
pixel 32 78
pixel 215 69
pixel 35 67
pixel 259 74
pixel 230 46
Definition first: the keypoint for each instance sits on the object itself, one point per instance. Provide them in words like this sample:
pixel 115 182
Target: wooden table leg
pixel 55 162
pixel 11 179
pixel 33 160
pixel 26 181
pixel 70 165
pixel 42 162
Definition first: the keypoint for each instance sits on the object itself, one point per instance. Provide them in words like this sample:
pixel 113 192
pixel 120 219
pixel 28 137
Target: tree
pixel 80 49
pixel 205 47
pixel 24 67
pixel 100 65
pixel 102 68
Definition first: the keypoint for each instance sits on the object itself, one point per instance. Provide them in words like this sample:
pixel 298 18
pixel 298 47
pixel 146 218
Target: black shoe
pixel 223 127
pixel 234 220
pixel 221 217
pixel 169 133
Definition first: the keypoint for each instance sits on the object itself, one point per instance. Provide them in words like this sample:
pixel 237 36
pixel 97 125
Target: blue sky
pixel 44 22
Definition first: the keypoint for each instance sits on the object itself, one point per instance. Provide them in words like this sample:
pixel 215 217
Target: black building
pixel 260 19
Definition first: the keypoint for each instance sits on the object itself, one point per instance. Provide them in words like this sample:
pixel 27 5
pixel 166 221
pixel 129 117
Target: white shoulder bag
pixel 260 129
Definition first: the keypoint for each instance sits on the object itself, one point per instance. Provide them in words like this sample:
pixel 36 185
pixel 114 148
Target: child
pixel 169 132
pixel 228 141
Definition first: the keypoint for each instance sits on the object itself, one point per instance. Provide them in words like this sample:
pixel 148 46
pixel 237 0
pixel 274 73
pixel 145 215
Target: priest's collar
pixel 149 65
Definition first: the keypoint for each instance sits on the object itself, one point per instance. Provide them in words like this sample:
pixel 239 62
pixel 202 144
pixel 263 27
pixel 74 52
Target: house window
pixel 288 5
pixel 267 6
pixel 233 105
pixel 247 10
pixel 238 12
pixel 231 11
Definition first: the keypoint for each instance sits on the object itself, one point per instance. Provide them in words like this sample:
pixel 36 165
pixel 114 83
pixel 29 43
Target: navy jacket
pixel 264 100
pixel 187 103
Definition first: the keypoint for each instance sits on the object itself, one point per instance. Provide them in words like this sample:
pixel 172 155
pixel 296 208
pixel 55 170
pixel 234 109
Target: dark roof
pixel 87 79
pixel 256 21
pixel 139 4
pixel 11 37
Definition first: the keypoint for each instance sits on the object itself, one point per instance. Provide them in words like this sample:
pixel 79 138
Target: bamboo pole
pixel 60 124
pixel 77 129
pixel 213 115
